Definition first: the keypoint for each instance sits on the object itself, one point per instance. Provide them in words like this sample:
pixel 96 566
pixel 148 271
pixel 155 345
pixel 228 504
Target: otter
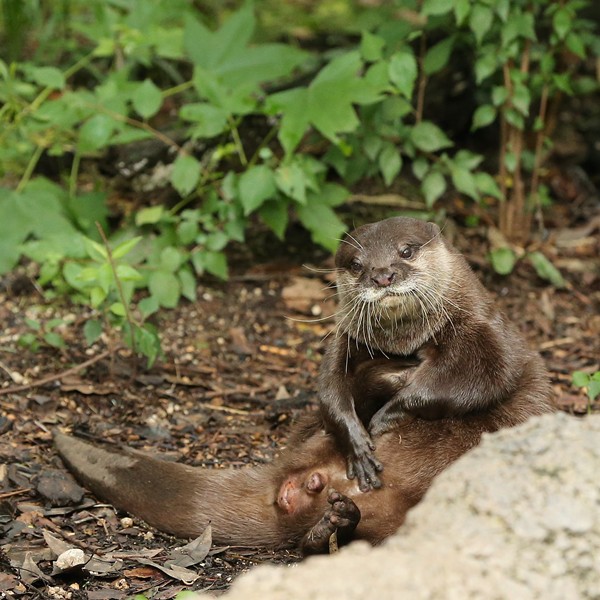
pixel 304 495
pixel 413 312
pixel 422 359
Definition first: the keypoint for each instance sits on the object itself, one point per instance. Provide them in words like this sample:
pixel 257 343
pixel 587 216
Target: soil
pixel 239 365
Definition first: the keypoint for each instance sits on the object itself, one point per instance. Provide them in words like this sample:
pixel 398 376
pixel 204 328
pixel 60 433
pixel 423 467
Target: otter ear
pixel 435 230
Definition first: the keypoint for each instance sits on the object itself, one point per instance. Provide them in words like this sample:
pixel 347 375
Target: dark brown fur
pixel 412 308
pixel 274 505
pixel 428 385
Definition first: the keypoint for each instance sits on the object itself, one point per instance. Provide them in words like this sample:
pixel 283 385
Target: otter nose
pixel 383 278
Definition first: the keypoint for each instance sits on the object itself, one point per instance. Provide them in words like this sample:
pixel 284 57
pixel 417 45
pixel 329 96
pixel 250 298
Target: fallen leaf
pixel 192 553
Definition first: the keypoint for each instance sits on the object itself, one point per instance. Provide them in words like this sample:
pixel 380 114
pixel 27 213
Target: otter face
pixel 394 270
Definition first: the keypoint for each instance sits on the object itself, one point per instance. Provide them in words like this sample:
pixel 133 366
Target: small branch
pixel 33 161
pixel 15 493
pixel 422 80
pixel 55 377
pixel 113 268
pixel 238 142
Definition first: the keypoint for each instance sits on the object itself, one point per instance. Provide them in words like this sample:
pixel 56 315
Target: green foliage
pixel 121 67
pixel 43 334
pixel 590 381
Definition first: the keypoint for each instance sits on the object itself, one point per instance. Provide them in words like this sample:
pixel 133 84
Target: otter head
pixel 395 270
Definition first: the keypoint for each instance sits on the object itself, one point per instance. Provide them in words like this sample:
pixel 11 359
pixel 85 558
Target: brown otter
pixel 304 495
pixel 419 337
pixel 410 305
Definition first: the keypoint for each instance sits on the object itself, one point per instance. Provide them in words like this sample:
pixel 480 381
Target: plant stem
pixel 113 268
pixel 33 161
pixel 182 87
pixel 73 175
pixel 238 142
pixel 422 80
pixel 537 161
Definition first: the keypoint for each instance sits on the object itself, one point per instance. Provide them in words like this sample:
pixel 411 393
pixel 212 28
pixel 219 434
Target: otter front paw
pixel 342 517
pixel 364 466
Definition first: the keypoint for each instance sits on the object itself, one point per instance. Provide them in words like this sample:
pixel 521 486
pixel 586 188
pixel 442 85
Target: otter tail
pixel 241 504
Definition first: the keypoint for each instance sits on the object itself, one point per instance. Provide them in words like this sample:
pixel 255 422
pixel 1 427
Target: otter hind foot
pixel 342 516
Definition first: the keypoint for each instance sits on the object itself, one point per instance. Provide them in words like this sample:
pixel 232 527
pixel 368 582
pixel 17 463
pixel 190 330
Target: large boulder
pixel 517 517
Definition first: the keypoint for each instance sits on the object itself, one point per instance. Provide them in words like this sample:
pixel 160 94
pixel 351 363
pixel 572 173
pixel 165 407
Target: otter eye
pixel 406 252
pixel 355 266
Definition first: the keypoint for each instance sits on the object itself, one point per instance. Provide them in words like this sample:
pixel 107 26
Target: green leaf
pixel 562 22
pixel 324 225
pixel 420 167
pixel 546 270
pixel 148 306
pixel 480 21
pixel 461 10
pixel 92 330
pixel 186 174
pixel 518 24
pixel 165 287
pixel 464 181
pixel 256 186
pixel 371 46
pixel 147 342
pixel 54 339
pixel 436 7
pixel 486 64
pixel 483 116
pixel 580 379
pixel 95 133
pixel 209 120
pixel 390 163
pixel 593 389
pixel 150 215
pixel 333 194
pixel 128 273
pixel 499 95
pixel 487 185
pixel 117 308
pixel 521 99
pixel 503 260
pixel 437 56
pixel 274 214
pixel 429 137
pixel 95 250
pixel 292 180
pixel 433 186
pixel 97 296
pixel 50 77
pixel 575 44
pixel 227 52
pixel 147 99
pixel 125 247
pixel 327 103
pixel 170 259
pixel 188 283
pixel 216 264
pixel 403 71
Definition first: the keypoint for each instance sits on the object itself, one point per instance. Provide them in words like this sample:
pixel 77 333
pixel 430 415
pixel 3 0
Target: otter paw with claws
pixel 364 466
pixel 342 516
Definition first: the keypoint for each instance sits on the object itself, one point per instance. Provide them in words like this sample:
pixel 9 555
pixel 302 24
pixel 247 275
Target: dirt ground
pixel 239 366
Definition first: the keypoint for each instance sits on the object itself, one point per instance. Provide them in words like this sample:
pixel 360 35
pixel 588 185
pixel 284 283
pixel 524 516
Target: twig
pixel 15 493
pixel 50 378
pixel 422 84
pixel 113 268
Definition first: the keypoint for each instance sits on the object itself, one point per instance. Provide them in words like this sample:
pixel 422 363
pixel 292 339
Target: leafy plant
pixel 590 381
pixel 359 112
pixel 42 334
